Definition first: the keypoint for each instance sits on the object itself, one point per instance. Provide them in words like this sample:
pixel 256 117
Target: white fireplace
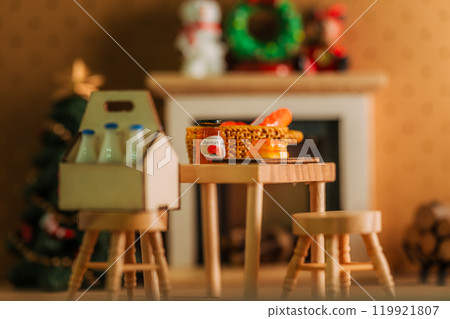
pixel 347 98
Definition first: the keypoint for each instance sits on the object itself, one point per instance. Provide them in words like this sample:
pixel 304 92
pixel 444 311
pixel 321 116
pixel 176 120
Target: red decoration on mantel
pixel 280 69
pixel 320 51
pixel 262 2
pixel 338 11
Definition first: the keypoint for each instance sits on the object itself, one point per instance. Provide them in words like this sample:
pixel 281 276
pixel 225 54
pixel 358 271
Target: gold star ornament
pixel 80 81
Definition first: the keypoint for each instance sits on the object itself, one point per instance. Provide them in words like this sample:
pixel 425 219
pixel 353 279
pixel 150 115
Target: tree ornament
pixel 80 81
pixel 49 223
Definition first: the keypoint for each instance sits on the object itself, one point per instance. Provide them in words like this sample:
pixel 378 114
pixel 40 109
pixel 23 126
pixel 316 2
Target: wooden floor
pixel 189 284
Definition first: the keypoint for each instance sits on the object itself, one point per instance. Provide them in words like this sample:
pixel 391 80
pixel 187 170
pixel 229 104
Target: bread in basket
pixel 241 136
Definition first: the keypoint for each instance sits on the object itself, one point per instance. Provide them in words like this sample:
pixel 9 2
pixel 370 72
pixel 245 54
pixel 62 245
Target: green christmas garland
pixel 245 47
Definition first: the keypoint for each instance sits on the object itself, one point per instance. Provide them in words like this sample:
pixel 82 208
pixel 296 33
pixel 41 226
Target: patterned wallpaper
pixel 412 115
pixel 408 42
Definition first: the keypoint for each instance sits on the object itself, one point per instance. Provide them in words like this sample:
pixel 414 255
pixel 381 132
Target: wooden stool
pixel 336 226
pixel 122 227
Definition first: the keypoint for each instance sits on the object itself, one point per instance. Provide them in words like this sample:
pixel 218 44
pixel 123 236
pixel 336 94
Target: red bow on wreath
pixel 263 2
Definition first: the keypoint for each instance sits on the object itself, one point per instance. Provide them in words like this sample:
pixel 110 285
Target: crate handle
pixel 118 106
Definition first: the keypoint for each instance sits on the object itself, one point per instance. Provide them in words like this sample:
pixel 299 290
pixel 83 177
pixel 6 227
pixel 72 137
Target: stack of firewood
pixel 427 240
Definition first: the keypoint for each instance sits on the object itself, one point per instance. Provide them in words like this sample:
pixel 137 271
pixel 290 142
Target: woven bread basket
pixel 242 134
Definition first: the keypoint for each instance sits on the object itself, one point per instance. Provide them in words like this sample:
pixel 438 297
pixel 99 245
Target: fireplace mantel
pixel 240 82
pixel 345 97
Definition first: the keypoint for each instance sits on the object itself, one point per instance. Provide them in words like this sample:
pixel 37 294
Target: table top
pixel 264 174
pixel 257 82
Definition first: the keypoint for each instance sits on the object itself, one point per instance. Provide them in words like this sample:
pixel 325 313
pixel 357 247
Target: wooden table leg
pixel 114 274
pixel 252 240
pixel 211 245
pixel 331 266
pixel 317 204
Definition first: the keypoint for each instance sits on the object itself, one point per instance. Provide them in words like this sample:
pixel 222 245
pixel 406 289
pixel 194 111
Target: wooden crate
pixel 116 186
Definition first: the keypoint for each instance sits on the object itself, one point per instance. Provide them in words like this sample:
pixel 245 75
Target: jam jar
pixel 209 144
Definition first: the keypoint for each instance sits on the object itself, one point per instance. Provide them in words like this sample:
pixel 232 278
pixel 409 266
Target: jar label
pixel 213 147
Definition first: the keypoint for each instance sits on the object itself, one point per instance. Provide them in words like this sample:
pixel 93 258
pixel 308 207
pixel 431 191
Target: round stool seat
pixel 132 221
pixel 337 222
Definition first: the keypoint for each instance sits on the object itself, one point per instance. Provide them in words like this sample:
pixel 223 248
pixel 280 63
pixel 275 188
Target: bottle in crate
pixel 136 133
pixel 110 152
pixel 86 152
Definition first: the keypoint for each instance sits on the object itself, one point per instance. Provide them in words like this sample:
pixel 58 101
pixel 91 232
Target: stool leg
pixel 344 258
pixel 84 256
pixel 332 267
pixel 114 274
pixel 381 265
pixel 151 285
pixel 161 261
pixel 317 204
pixel 130 258
pixel 300 253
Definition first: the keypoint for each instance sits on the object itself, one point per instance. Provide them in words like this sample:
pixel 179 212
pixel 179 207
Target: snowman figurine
pixel 200 39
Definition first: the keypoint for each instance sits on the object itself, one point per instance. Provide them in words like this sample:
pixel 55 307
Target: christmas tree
pixel 47 241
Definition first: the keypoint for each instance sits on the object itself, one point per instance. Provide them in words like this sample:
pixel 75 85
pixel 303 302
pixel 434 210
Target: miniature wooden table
pixel 255 176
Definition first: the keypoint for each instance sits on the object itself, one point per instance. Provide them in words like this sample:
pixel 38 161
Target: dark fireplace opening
pixel 277 240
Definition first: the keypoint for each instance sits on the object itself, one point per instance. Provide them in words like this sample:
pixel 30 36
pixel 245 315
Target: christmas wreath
pixel 246 47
